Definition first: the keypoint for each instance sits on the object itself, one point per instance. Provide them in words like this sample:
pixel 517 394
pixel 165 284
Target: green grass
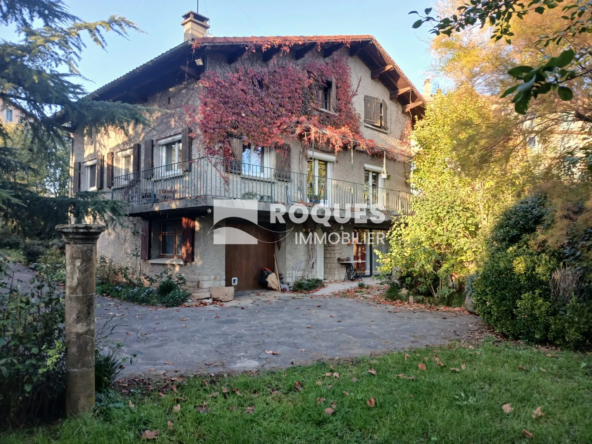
pixel 13 255
pixel 438 406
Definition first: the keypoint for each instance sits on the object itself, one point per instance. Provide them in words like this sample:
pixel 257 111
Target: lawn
pixel 459 401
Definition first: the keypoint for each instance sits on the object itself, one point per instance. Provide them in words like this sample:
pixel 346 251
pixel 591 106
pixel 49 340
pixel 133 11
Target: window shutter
pixel 236 145
pixel 145 240
pixel 100 172
pixel 185 149
pixel 148 158
pixel 372 110
pixel 76 178
pixel 319 94
pixel 137 153
pixel 110 157
pixel 188 239
pixel 384 115
pixel 283 162
pixel 333 95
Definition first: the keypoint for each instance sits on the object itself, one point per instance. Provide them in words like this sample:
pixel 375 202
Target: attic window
pixel 375 112
pixel 326 99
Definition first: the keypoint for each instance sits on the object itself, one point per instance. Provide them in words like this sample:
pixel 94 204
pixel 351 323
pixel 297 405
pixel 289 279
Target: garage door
pixel 246 261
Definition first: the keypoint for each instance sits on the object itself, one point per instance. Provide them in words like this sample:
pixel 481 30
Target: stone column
pixel 81 263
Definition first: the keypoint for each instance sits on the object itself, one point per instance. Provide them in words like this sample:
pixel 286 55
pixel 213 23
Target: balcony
pixel 197 182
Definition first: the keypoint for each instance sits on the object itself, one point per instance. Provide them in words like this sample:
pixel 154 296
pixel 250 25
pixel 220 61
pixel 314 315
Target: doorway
pixel 367 243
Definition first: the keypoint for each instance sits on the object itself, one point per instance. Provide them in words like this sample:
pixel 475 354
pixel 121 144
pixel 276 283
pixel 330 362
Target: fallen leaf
pixel 320 400
pixel 372 402
pixel 527 433
pixel 354 379
pixel 161 394
pixel 203 408
pixel 333 404
pixel 463 366
pixel 298 386
pixel 328 374
pixel 521 368
pixel 232 408
pixel 507 408
pixel 150 435
pixel 452 369
pixel 236 391
pixel 214 394
pixel 421 366
pixel 131 406
pixel 302 350
pixel 543 370
pixel 174 387
pixel 406 357
pixel 329 387
pixel 346 393
pixel 308 326
pixel 336 375
pixel 537 413
pixel 169 363
pixel 170 424
pixel 372 371
pixel 319 382
pixel 183 319
pixel 331 367
pixel 177 408
pixel 329 411
pixel 269 352
pixel 250 409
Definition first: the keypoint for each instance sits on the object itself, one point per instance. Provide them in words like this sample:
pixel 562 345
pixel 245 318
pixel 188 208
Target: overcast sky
pixel 387 20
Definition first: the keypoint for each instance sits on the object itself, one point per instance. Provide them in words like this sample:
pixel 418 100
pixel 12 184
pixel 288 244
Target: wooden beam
pixel 399 92
pixel 377 72
pixel 300 53
pixel 331 49
pixel 412 105
pixel 271 53
pixel 355 49
pixel 236 54
pixel 193 72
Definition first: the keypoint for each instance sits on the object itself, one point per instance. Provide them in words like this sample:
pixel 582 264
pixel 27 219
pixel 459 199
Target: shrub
pixel 525 289
pixel 307 284
pixel 52 265
pixel 108 366
pixel 11 241
pixel 109 273
pixel 175 298
pixel 33 250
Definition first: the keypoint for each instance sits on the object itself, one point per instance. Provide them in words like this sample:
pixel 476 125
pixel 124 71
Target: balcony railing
pixel 231 179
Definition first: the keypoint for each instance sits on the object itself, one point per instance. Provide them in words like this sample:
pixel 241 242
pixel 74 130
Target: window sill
pixel 165 261
pixel 326 111
pixel 375 128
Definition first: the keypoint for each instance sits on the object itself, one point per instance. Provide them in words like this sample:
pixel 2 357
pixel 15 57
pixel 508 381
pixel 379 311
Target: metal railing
pixel 231 179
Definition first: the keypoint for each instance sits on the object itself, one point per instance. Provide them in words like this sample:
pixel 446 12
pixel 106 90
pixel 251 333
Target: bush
pixel 52 265
pixel 307 284
pixel 109 273
pixel 108 366
pixel 33 250
pixel 11 241
pixel 175 298
pixel 525 289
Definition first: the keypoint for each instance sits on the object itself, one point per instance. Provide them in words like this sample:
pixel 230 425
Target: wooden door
pixel 245 262
pixel 360 251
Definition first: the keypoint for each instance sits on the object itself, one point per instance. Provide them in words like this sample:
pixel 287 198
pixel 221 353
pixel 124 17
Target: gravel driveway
pixel 301 328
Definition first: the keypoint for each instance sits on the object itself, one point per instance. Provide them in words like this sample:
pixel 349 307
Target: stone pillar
pixel 81 263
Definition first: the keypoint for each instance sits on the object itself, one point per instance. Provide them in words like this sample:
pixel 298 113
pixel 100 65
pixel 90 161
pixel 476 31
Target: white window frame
pixel 121 155
pixel 160 167
pixel 380 195
pixel 330 160
pixel 87 166
pixel 266 166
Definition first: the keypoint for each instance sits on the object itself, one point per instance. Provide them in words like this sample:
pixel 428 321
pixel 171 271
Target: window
pixel 170 158
pixel 253 160
pixel 375 112
pixel 171 239
pixel 126 164
pixel 91 175
pixel 371 187
pixel 8 114
pixel 326 95
pixel 317 180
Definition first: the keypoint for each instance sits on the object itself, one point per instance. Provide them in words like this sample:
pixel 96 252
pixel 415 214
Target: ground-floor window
pixel 171 239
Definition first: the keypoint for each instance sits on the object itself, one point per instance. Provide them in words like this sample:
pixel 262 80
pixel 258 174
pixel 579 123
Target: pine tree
pixel 39 76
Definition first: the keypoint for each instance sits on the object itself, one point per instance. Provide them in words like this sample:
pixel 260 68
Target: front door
pixel 245 262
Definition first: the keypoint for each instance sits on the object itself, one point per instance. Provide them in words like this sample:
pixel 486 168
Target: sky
pixel 160 21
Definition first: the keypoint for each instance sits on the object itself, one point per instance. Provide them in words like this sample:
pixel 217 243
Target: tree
pixel 455 201
pixel 38 76
pixel 558 67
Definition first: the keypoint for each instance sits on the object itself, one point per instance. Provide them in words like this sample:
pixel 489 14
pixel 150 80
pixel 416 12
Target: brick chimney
pixel 195 25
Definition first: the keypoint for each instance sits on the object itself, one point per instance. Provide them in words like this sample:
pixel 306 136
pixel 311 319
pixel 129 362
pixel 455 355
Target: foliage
pixel 307 284
pixel 490 375
pixel 116 282
pixel 32 368
pixel 11 241
pixel 455 200
pixel 39 78
pixel 528 287
pixel 33 250
pixel 108 366
pixel 51 265
pixel 267 106
pixel 573 22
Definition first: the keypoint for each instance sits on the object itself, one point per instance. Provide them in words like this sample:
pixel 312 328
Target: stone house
pixel 170 181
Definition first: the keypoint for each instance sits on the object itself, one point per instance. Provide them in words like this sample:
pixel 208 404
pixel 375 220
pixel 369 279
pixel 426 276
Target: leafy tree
pixel 564 47
pixel 38 76
pixel 454 202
